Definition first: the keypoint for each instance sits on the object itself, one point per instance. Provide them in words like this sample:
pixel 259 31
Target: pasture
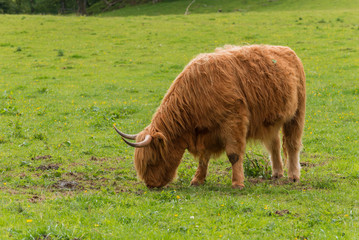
pixel 64 81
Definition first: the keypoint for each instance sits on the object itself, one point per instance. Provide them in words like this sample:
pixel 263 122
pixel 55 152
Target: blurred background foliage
pixel 80 7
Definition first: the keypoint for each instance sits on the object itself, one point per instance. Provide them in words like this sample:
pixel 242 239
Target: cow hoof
pixel 238 186
pixel 277 176
pixel 294 179
pixel 196 183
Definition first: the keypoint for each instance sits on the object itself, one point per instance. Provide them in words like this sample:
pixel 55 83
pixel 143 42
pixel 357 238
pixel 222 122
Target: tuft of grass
pixel 326 183
pixel 43 90
pixel 257 165
pixel 10 110
pixel 40 136
pixel 76 56
pixel 60 53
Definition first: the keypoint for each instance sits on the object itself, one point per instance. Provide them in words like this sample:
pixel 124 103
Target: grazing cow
pixel 218 102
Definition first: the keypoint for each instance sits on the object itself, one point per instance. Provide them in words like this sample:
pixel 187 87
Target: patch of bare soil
pixel 75 175
pixel 256 181
pixel 71 180
pixel 48 167
pixel 35 199
pixel 307 164
pixel 76 181
pixel 97 159
pixel 41 157
pixel 282 212
pixel 63 184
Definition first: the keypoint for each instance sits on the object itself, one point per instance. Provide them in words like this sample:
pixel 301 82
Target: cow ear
pixel 159 136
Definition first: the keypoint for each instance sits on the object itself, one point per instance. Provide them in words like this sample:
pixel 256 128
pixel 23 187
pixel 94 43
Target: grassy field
pixel 64 81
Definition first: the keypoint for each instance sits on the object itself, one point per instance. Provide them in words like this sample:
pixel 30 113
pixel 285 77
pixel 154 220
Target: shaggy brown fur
pixel 218 102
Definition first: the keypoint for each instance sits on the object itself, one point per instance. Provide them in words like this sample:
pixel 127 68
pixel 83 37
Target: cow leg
pixel 237 170
pixel 235 153
pixel 292 142
pixel 235 133
pixel 273 146
pixel 201 173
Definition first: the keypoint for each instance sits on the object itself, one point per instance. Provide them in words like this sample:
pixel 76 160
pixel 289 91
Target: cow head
pixel 156 161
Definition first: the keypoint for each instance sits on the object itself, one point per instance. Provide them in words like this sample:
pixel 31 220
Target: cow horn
pixel 144 143
pixel 128 136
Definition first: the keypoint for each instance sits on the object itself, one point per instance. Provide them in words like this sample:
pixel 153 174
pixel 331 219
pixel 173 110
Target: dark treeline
pixel 62 6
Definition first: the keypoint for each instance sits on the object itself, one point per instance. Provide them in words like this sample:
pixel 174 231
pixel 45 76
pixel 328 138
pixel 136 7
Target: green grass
pixel 65 174
pixel 178 7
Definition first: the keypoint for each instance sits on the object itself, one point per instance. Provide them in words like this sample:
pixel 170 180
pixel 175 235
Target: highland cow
pixel 218 102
